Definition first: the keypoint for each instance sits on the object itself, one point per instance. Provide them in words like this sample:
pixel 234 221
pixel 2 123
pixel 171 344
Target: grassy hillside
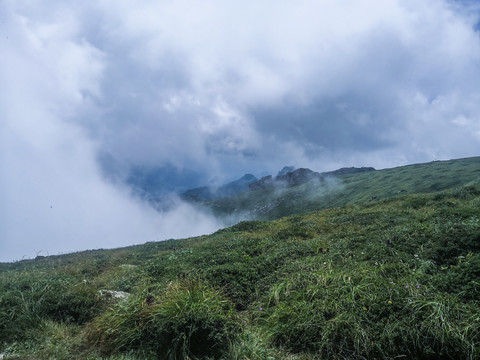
pixel 393 278
pixel 359 188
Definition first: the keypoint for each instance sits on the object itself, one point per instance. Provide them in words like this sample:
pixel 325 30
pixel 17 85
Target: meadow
pixel 383 276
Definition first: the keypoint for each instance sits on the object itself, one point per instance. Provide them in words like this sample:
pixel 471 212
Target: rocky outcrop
pixel 300 176
pixel 114 295
pixel 288 179
pixel 286 169
pixel 263 183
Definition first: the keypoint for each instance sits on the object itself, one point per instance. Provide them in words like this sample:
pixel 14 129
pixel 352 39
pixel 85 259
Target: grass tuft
pixel 186 319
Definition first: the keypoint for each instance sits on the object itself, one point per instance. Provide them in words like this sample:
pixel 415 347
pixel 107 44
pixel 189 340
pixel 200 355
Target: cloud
pixel 222 88
pixel 54 198
pixel 324 77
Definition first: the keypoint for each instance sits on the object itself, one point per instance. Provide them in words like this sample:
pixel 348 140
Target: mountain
pixel 155 184
pixel 389 269
pixel 303 190
pixel 288 177
pixel 209 193
pixel 286 169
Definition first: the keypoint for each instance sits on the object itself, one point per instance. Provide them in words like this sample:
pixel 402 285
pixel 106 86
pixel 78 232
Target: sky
pixel 91 90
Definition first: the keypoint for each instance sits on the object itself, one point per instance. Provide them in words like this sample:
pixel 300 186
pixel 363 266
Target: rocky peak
pixel 264 182
pixel 297 177
pixel 286 178
pixel 285 170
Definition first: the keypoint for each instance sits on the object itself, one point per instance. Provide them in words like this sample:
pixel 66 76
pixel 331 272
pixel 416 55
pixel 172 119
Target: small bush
pixel 433 329
pixel 186 320
pixel 237 279
pixel 466 192
pixel 28 298
pixel 453 239
pixel 416 202
pixel 462 280
pixel 16 317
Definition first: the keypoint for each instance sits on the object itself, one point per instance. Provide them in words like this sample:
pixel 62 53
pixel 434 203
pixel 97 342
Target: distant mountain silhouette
pixel 286 169
pixel 227 190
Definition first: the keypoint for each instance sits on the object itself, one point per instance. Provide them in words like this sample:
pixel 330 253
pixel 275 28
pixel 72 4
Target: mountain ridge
pixel 343 187
pixel 288 176
pixel 300 176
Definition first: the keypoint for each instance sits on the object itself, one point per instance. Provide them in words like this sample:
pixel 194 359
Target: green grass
pixel 390 278
pixel 185 319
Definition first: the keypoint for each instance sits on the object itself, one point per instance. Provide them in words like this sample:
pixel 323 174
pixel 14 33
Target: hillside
pixel 392 277
pixel 340 188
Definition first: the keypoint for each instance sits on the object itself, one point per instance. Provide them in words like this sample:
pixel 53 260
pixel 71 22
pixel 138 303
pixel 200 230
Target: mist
pixel 55 200
pixel 215 90
pixel 55 197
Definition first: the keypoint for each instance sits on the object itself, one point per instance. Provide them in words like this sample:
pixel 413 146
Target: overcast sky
pixel 218 88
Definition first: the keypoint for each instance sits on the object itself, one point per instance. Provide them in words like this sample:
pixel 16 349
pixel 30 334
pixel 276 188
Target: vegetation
pixel 185 319
pixel 349 189
pixel 396 277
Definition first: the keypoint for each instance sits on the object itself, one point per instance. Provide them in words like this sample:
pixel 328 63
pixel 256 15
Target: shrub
pixel 356 320
pixel 16 316
pixel 316 327
pixel 321 313
pixel 433 329
pixel 238 280
pixel 462 280
pixel 453 239
pixel 186 320
pixel 27 298
pixel 76 304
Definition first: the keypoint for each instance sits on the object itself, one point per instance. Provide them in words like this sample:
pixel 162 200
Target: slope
pixel 396 277
pixel 343 189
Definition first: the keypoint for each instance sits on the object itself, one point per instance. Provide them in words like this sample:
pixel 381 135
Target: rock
pixel 263 183
pixel 298 177
pixel 128 266
pixel 114 295
pixel 286 169
pixel 288 179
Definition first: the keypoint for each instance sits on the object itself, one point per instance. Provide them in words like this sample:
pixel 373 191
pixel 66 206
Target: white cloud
pixel 366 55
pixel 54 198
pixel 226 86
